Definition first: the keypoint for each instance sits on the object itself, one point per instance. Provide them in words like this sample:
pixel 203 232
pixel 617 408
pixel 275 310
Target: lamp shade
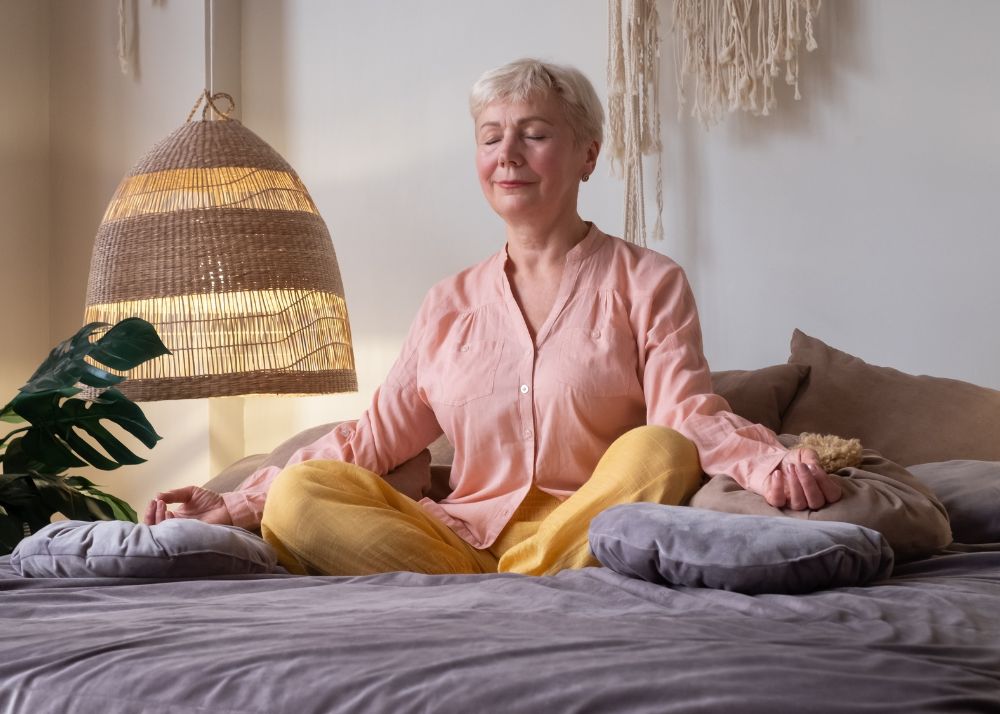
pixel 213 238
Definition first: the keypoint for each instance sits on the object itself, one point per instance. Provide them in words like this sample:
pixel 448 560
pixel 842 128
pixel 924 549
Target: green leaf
pixel 66 430
pixel 58 496
pixel 42 407
pixel 90 454
pixel 10 435
pixel 95 377
pixel 64 365
pixel 9 415
pixel 11 532
pixel 125 346
pixel 58 426
pixel 21 497
pixel 47 453
pixel 122 510
pixel 109 443
pixel 16 461
pixel 116 407
pixel 33 498
pixel 16 491
pixel 128 344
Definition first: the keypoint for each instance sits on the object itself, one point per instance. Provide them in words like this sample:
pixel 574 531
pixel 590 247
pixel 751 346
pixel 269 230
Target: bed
pixel 924 639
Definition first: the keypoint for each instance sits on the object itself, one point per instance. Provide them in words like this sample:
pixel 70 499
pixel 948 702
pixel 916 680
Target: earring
pixel 586 177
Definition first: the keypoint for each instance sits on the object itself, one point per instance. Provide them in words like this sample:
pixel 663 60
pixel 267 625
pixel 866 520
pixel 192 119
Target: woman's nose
pixel 508 154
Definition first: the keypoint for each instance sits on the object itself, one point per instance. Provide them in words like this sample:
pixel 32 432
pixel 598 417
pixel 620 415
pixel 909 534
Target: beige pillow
pixel 878 494
pixel 910 419
pixel 760 395
pixel 412 478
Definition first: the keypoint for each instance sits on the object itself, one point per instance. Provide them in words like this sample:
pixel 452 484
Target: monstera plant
pixel 64 424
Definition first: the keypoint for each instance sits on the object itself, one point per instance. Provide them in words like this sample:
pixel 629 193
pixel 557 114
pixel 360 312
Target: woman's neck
pixel 537 247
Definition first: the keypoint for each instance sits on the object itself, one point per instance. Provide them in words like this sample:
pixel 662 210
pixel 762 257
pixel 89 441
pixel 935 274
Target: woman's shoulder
pixel 641 265
pixel 468 288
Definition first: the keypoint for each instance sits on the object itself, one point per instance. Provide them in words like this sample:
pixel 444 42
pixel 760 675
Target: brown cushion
pixel 878 494
pixel 910 419
pixel 760 395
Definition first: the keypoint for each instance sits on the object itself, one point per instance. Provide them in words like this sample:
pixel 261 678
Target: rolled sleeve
pixel 678 387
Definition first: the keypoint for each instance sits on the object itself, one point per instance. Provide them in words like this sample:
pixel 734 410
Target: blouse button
pixel 596 334
pixel 527 433
pixel 345 431
pixel 464 348
pixel 524 389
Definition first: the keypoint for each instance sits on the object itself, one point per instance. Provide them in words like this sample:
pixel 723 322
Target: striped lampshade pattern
pixel 213 238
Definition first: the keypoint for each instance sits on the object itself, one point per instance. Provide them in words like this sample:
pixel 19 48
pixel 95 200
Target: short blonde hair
pixel 526 78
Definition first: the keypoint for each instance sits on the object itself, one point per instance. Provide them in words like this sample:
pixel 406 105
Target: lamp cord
pixel 205 96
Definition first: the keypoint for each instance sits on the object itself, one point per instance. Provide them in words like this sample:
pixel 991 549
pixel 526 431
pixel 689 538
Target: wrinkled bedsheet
pixel 925 640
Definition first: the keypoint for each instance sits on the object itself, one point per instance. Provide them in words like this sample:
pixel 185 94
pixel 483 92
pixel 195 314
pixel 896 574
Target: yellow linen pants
pixel 334 518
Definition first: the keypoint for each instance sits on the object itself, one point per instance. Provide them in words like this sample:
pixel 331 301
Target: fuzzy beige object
pixel 834 452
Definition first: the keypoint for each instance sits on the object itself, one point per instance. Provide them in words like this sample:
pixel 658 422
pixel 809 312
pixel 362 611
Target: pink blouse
pixel 620 348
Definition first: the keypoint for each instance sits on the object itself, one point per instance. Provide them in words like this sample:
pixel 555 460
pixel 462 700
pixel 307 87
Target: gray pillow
pixel 176 548
pixel 678 545
pixel 970 492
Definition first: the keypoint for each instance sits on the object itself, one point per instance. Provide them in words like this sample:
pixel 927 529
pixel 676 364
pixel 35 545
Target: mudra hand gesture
pixel 799 483
pixel 194 502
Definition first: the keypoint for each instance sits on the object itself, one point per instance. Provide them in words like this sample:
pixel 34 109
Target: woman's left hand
pixel 194 502
pixel 800 482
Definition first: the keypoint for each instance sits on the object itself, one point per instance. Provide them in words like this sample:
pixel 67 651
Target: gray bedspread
pixel 926 640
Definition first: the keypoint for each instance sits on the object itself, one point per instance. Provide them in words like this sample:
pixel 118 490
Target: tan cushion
pixel 442 452
pixel 910 419
pixel 878 494
pixel 760 395
pixel 235 474
pixel 412 478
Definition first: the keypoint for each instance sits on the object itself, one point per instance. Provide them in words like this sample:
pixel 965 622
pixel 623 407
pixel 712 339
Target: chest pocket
pixel 599 362
pixel 463 372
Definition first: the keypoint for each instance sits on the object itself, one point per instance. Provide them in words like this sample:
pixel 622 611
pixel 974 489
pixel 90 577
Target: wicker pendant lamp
pixel 213 238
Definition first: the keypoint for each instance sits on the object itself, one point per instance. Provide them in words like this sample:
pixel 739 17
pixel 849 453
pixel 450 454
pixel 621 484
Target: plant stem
pixel 4 439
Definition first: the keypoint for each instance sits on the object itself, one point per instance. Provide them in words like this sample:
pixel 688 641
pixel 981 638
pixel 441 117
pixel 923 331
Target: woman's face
pixel 528 161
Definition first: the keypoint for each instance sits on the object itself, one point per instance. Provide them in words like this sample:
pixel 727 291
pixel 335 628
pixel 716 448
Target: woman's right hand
pixel 799 483
pixel 194 502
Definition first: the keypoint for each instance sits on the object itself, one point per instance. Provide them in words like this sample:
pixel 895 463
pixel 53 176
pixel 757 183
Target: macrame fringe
pixel 733 49
pixel 124 45
pixel 634 107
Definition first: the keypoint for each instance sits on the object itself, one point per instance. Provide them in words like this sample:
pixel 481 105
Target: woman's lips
pixel 511 184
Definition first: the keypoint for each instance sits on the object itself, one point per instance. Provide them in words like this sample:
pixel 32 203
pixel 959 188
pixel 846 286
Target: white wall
pixel 864 214
pixel 24 190
pixel 102 122
pixel 369 102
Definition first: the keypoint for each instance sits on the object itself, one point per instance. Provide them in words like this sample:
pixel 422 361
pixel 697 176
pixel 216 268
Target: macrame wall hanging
pixel 634 107
pixel 124 38
pixel 731 51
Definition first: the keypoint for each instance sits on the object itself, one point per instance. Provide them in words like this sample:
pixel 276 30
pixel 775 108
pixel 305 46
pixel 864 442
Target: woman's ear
pixel 593 150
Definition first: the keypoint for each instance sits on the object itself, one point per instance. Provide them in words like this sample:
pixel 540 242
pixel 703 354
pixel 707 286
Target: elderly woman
pixel 566 370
